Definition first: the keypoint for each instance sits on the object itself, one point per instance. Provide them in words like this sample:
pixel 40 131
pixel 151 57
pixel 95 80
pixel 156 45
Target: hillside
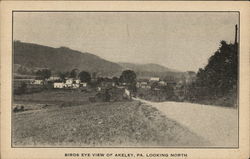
pixel 35 56
pixel 148 70
pixel 146 67
pixel 29 57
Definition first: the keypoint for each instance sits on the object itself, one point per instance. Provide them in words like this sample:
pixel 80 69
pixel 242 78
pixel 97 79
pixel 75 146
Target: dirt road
pixel 218 125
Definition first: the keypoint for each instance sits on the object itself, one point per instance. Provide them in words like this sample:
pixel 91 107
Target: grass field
pixel 48 121
pixel 55 96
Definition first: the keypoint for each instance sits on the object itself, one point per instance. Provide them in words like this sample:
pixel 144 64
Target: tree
pixel 44 73
pixel 100 80
pixel 22 70
pixel 74 73
pixel 154 85
pixel 63 75
pixel 220 74
pixel 84 76
pixel 115 80
pixel 22 88
pixel 128 76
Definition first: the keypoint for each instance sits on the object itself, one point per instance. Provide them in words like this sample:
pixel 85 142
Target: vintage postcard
pixel 125 80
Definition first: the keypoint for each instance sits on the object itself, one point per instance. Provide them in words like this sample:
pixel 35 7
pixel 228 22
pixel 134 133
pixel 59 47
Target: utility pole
pixel 235 40
pixel 236 30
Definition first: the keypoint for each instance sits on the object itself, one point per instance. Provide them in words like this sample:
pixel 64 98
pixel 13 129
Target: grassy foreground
pixel 127 123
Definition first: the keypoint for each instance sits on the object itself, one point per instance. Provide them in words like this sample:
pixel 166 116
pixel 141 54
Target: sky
pixel 178 40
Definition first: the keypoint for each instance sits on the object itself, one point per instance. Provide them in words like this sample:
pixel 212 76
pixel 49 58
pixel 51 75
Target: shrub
pixel 21 89
pixel 18 109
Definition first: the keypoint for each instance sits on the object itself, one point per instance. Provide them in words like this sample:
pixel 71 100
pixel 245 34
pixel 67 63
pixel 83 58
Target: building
pixel 162 83
pixel 107 84
pixel 171 83
pixel 77 81
pixel 69 82
pixel 38 82
pixel 191 77
pixel 75 85
pixel 54 78
pixel 83 84
pixel 154 79
pixel 143 84
pixel 59 85
pixel 124 84
pixel 72 83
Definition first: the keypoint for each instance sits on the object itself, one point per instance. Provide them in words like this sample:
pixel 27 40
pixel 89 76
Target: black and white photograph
pixel 133 79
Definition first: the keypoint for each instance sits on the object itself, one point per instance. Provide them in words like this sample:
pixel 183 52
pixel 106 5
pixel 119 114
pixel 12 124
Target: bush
pixel 18 109
pixel 21 89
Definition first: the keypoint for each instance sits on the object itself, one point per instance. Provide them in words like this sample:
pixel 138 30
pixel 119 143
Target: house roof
pixel 154 78
pixel 58 83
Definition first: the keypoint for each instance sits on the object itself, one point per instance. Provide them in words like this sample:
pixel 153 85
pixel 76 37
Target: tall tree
pixel 115 80
pixel 44 73
pixel 74 73
pixel 128 76
pixel 84 76
pixel 221 73
pixel 63 75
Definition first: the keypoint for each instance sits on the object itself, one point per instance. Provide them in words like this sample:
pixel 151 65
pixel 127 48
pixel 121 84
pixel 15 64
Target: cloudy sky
pixel 178 40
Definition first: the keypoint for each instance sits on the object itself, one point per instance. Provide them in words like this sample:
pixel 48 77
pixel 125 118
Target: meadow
pixel 58 118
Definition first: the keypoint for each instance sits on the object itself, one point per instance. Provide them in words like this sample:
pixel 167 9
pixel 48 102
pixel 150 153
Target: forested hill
pixel 151 67
pixel 151 70
pixel 35 56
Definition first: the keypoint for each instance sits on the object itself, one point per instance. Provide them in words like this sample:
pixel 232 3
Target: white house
pixel 124 84
pixel 59 85
pixel 38 82
pixel 83 84
pixel 75 85
pixel 154 79
pixel 77 81
pixel 54 78
pixel 162 83
pixel 69 82
pixel 142 85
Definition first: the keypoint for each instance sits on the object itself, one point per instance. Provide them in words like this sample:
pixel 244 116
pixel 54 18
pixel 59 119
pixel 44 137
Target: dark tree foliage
pixel 221 73
pixel 154 85
pixel 63 75
pixel 84 76
pixel 43 74
pixel 22 88
pixel 100 80
pixel 115 80
pixel 74 73
pixel 132 87
pixel 128 76
pixel 22 70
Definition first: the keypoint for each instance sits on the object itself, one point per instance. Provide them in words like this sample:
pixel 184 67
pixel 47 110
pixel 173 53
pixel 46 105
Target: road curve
pixel 218 125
